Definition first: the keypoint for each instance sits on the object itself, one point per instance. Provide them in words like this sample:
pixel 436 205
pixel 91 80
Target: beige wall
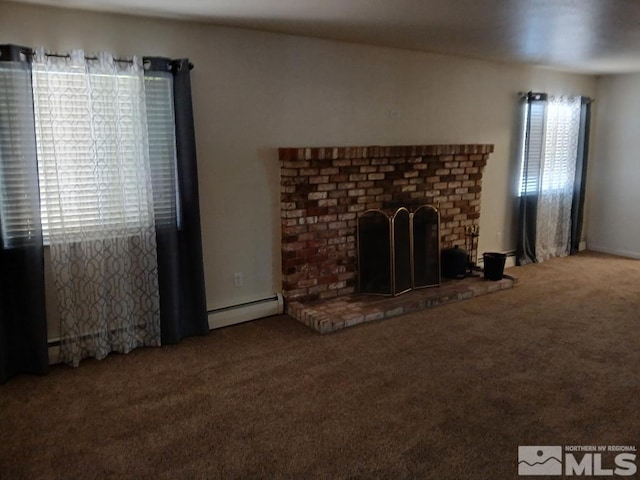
pixel 254 92
pixel 614 170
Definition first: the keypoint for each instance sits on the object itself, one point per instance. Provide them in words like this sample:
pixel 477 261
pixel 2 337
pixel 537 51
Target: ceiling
pixel 589 36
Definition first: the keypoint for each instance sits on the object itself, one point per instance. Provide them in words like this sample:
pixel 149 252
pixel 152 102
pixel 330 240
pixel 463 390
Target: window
pixel 551 131
pixel 105 139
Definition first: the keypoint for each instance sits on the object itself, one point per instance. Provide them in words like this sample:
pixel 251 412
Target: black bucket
pixel 494 265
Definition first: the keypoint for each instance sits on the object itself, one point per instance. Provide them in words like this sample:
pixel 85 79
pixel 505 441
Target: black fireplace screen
pixel 398 250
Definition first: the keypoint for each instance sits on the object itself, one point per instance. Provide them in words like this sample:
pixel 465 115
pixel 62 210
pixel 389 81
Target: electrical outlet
pixel 499 237
pixel 238 279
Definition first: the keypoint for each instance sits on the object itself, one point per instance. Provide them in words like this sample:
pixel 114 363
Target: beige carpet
pixel 448 393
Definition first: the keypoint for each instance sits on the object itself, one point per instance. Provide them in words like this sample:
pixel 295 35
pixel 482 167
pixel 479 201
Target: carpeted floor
pixel 448 393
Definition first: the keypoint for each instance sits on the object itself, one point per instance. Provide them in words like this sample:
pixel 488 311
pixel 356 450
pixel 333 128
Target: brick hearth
pixel 327 316
pixel 323 190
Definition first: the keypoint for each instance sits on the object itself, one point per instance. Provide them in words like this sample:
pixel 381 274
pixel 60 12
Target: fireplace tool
pixel 471 233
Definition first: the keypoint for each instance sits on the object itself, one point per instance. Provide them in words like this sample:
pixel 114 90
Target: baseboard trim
pixel 218 318
pixel 245 312
pixel 614 251
pixel 54 354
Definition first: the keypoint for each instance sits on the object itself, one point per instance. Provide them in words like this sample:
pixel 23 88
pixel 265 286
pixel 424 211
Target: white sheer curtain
pixel 557 176
pixel 97 205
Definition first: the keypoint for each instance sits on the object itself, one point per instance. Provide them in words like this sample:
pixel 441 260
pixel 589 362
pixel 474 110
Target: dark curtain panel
pixel 533 113
pixel 23 328
pixel 183 307
pixel 577 207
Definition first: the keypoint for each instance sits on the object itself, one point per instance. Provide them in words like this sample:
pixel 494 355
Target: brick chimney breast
pixel 324 189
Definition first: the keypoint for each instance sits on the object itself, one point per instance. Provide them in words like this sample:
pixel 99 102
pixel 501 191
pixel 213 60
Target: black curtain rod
pixel 146 61
pixel 16 53
pixel 533 95
pixel 544 96
pixel 58 55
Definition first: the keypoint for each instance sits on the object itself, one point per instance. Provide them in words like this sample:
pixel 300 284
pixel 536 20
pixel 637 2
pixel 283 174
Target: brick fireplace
pixel 324 189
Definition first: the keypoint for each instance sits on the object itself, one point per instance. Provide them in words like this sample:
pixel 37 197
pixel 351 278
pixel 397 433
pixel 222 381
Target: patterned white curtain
pixel 97 205
pixel 557 177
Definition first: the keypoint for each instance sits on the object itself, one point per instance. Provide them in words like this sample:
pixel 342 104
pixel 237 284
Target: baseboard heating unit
pixel 245 312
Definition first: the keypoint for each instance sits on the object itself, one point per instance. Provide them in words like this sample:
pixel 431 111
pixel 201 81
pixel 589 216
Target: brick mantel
pixel 323 189
pixel 398 151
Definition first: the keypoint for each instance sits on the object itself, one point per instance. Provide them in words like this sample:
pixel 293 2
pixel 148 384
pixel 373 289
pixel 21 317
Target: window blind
pixel 533 147
pixel 17 142
pixel 162 145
